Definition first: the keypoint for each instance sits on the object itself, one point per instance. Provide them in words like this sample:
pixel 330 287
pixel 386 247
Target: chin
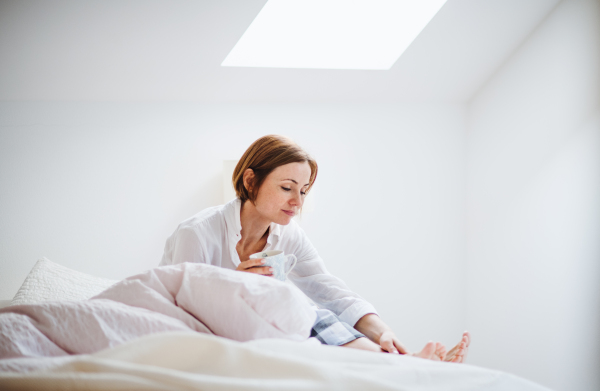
pixel 285 220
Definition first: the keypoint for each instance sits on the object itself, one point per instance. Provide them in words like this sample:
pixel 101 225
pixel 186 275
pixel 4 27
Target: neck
pixel 254 226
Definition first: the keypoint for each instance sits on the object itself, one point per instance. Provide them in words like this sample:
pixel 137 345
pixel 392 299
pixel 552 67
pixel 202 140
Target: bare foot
pixel 432 351
pixel 458 354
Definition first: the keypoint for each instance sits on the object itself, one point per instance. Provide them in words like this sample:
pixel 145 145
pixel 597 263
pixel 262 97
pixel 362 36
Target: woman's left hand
pixel 391 344
pixel 377 331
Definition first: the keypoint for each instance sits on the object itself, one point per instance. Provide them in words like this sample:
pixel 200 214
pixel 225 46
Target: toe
pixel 468 337
pixel 458 358
pixel 440 351
pixel 428 351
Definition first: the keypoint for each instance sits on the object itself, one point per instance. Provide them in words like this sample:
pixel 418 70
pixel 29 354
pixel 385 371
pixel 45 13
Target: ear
pixel 248 178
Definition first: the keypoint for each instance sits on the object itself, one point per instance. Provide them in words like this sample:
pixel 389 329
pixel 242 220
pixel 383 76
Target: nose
pixel 297 200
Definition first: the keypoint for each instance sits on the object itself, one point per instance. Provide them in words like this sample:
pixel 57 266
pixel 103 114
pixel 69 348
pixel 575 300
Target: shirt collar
pixel 233 211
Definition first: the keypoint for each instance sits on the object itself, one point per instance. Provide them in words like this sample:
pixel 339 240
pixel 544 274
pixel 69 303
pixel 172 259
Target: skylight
pixel 331 34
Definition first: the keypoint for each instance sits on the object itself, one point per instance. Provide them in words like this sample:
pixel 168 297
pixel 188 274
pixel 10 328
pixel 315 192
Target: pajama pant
pixel 330 330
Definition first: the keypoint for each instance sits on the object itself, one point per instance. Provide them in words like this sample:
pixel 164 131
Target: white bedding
pixel 185 297
pixel 153 332
pixel 194 361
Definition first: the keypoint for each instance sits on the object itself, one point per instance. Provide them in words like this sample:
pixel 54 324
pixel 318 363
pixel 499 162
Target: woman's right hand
pixel 250 267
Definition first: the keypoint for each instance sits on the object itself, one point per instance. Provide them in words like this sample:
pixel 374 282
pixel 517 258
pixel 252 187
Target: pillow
pixel 49 281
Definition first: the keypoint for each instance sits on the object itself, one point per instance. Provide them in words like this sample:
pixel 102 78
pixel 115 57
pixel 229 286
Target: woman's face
pixel 281 195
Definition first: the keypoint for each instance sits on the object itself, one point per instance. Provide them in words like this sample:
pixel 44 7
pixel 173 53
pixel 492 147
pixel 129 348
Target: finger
pixel 389 347
pixel 258 262
pixel 250 264
pixel 267 270
pixel 400 347
pixel 255 262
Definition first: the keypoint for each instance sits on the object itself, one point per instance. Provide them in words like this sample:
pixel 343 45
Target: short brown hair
pixel 263 156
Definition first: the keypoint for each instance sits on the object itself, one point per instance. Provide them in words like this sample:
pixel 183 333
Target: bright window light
pixel 331 34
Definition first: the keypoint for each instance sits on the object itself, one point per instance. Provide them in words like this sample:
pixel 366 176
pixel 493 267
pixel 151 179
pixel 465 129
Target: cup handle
pixel 294 260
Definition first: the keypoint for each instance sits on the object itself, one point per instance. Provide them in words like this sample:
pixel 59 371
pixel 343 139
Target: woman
pixel 271 180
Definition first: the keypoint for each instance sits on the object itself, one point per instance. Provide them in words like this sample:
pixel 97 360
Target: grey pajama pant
pixel 330 330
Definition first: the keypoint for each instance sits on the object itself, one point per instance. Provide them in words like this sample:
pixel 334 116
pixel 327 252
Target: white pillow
pixel 49 281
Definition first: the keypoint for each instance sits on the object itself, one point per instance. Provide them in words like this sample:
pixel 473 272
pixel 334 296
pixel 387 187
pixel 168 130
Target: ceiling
pixel 171 50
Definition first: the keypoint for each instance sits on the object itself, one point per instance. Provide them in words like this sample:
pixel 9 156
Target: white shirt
pixel 211 237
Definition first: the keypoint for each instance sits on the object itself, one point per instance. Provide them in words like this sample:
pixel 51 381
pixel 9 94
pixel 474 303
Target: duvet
pixel 198 327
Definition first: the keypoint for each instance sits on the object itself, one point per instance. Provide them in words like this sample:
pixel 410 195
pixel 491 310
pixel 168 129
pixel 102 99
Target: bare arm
pixel 377 331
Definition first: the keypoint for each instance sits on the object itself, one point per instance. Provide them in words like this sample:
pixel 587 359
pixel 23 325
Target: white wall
pixel 98 187
pixel 406 192
pixel 534 206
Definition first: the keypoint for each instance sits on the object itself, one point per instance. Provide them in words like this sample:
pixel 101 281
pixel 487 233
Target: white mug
pixel 282 264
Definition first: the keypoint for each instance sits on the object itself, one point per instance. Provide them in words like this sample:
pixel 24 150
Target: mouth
pixel 289 212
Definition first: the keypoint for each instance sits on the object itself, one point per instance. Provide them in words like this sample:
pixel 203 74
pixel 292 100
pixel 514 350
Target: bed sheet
pixel 194 361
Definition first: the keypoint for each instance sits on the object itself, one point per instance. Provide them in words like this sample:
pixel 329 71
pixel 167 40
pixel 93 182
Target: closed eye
pixel 288 189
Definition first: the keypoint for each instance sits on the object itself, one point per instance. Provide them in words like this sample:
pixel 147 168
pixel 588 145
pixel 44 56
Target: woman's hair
pixel 263 156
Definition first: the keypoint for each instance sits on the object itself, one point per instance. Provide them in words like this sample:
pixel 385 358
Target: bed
pixel 245 347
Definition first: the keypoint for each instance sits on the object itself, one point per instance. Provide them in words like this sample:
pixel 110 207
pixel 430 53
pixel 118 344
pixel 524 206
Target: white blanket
pixel 239 306
pixel 153 331
pixel 194 361
pixel 185 297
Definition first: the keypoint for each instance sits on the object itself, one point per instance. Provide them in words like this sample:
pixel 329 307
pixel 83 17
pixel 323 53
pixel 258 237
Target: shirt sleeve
pixel 326 290
pixel 187 247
